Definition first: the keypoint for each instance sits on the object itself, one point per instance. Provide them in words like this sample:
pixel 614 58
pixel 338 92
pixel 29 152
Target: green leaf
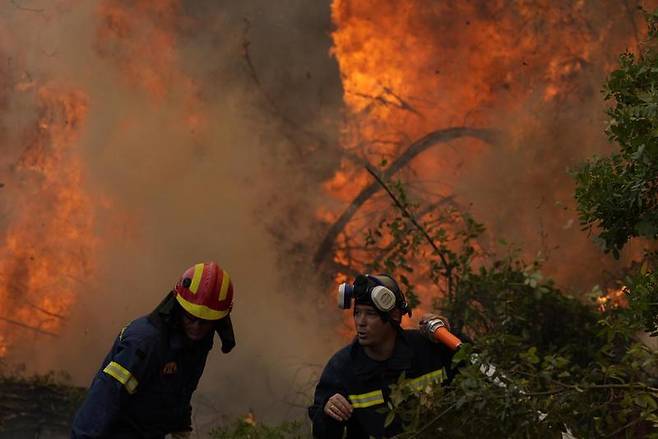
pixel 645 400
pixel 390 417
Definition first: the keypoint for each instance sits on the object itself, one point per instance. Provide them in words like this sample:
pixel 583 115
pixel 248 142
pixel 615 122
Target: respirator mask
pixel 380 291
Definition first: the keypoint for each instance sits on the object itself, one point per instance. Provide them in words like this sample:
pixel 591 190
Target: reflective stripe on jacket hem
pixel 376 397
pixel 423 381
pixel 367 399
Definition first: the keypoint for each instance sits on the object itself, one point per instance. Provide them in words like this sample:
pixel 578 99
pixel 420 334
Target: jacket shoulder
pixel 423 346
pixel 427 350
pixel 415 338
pixel 341 359
pixel 140 332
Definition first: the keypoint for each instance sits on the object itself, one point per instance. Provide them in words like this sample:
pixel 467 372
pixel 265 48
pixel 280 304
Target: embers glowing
pixel 615 298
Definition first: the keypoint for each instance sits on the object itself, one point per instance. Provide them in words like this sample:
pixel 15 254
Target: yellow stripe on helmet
pixel 122 375
pixel 200 311
pixel 226 280
pixel 196 279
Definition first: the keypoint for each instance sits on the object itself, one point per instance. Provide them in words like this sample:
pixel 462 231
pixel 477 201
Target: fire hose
pixel 439 332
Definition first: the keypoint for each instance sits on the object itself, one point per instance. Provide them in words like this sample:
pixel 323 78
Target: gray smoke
pixel 170 194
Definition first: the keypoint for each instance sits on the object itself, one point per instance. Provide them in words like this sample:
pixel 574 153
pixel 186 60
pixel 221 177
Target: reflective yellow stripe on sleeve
pixel 367 399
pixel 423 381
pixel 122 375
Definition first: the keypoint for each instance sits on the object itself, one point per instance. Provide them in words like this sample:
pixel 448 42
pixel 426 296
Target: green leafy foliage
pixel 403 249
pixel 642 292
pixel 619 194
pixel 543 363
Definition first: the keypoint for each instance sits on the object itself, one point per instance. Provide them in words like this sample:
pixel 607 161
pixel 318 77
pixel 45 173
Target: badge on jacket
pixel 169 368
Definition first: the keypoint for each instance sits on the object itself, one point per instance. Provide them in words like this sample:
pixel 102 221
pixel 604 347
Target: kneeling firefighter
pixel 355 383
pixel 144 386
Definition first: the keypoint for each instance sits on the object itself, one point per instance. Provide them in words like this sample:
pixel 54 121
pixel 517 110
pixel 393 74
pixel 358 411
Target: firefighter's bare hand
pixel 429 316
pixel 422 325
pixel 338 408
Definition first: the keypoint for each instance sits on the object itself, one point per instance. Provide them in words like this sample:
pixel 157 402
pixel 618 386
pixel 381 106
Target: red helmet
pixel 205 291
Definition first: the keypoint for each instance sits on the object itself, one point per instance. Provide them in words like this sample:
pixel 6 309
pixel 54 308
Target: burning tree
pixel 469 104
pixel 47 247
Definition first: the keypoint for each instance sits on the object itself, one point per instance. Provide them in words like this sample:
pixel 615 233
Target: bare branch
pixel 416 148
pixel 31 328
pixel 397 101
pixel 22 8
pixel 45 311
pixel 412 218
pixel 386 251
pixel 401 102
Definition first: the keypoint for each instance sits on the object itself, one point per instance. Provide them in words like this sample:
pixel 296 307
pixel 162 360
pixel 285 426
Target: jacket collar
pixel 164 317
pixel 163 314
pixel 400 360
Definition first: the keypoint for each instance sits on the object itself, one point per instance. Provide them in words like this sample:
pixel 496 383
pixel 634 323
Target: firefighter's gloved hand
pixel 181 435
pixel 422 325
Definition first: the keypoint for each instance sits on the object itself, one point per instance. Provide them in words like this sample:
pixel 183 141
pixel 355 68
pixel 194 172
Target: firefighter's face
pixel 371 330
pixel 194 328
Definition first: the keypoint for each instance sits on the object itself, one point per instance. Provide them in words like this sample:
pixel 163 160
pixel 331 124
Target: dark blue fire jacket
pixel 365 383
pixel 144 386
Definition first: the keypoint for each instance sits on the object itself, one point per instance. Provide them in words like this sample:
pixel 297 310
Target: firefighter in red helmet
pixel 144 386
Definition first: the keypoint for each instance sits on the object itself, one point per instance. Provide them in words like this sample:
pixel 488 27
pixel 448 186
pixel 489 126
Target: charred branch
pixel 385 100
pixel 45 311
pixel 31 328
pixel 416 148
pixel 23 8
pixel 386 251
pixel 412 218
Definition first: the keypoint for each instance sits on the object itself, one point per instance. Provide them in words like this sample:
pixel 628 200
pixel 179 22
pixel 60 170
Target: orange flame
pixel 47 253
pixel 410 68
pixel 140 38
pixel 49 244
pixel 613 299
